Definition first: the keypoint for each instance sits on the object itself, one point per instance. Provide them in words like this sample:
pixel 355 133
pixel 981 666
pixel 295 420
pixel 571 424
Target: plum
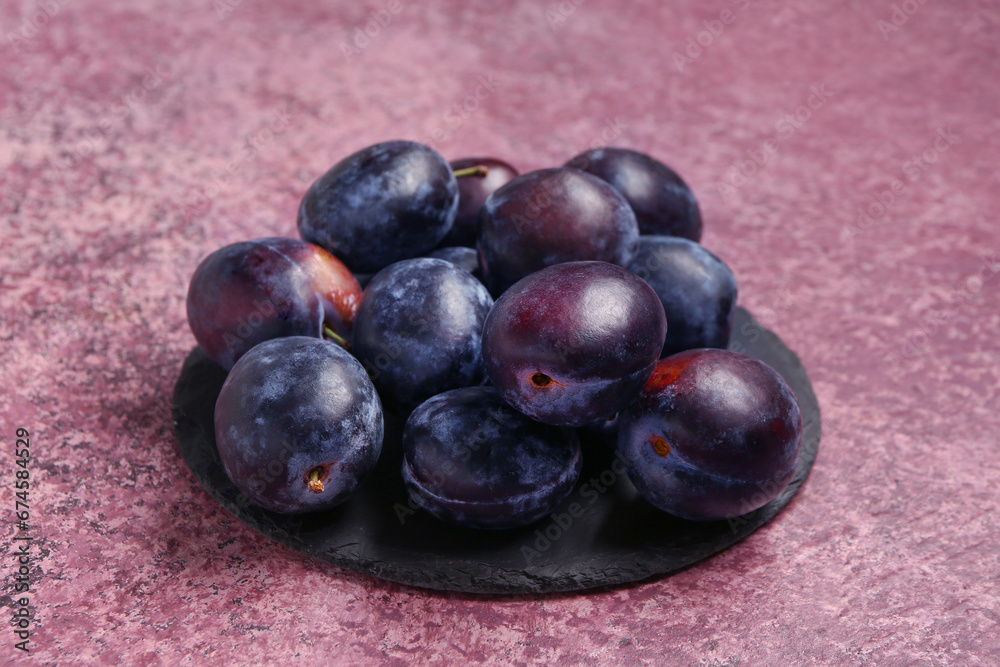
pixel 419 330
pixel 469 459
pixel 663 203
pixel 391 201
pixel 467 258
pixel 696 288
pixel 472 193
pixel 712 435
pixel 551 216
pixel 246 293
pixel 574 342
pixel 298 424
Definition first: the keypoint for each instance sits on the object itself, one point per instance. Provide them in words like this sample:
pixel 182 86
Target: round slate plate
pixel 603 534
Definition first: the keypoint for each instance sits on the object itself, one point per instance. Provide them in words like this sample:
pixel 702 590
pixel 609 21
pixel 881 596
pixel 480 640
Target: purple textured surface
pixel 139 136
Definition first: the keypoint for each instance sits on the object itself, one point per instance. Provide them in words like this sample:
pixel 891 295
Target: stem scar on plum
pixel 660 446
pixel 315 479
pixel 541 380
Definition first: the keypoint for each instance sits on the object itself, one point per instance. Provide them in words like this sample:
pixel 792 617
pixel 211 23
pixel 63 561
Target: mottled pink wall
pixel 115 115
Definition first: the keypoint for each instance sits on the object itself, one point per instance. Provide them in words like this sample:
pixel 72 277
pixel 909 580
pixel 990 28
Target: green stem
pixel 479 171
pixel 335 337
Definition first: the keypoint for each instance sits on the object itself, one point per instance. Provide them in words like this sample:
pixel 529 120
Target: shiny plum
pixel 552 216
pixel 385 203
pixel 246 293
pixel 697 289
pixel 712 435
pixel 298 425
pixel 472 193
pixel 469 459
pixel 467 258
pixel 663 203
pixel 418 331
pixel 573 343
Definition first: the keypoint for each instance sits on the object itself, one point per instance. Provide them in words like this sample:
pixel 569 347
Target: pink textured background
pixel 888 556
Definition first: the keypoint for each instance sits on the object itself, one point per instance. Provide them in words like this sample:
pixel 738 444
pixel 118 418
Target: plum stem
pixel 335 337
pixel 479 171
pixel 315 483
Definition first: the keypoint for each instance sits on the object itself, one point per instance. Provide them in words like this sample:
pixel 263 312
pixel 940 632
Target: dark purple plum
pixel 663 203
pixel 472 193
pixel 552 216
pixel 418 331
pixel 298 425
pixel 712 435
pixel 246 293
pixel 573 343
pixel 467 258
pixel 469 459
pixel 385 203
pixel 696 288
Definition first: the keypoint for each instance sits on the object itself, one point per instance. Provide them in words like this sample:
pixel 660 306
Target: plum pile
pixel 503 315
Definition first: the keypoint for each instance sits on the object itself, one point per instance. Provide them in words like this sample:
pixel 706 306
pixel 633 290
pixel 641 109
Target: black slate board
pixel 615 538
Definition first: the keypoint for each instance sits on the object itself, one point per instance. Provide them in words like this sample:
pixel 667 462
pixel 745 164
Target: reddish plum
pixel 246 293
pixel 712 435
pixel 573 343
